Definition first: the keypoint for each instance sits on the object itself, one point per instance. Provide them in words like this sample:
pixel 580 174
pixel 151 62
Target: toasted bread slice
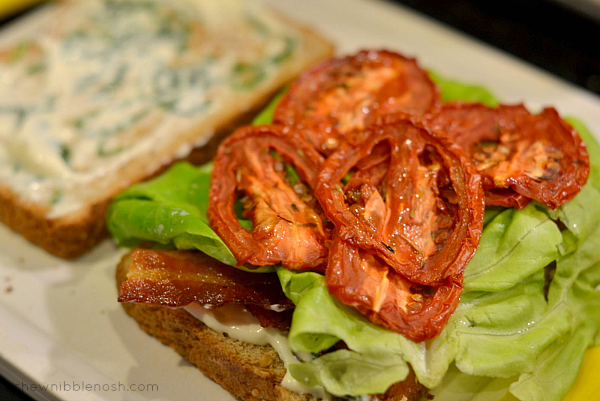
pixel 107 94
pixel 247 371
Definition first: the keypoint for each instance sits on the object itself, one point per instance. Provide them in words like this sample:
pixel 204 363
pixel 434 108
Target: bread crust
pixel 249 372
pixel 66 237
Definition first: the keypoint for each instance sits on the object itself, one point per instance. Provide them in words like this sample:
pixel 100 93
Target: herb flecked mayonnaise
pixel 105 82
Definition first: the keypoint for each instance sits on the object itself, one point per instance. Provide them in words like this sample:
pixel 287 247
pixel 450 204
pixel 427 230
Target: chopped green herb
pixel 246 76
pixel 19 52
pixel 347 177
pixel 65 153
pixel 292 174
pixel 261 28
pixel 389 248
pixel 56 197
pixel 275 155
pixel 103 152
pixel 487 144
pixel 167 104
pixel 117 81
pixel 287 51
pixel 36 68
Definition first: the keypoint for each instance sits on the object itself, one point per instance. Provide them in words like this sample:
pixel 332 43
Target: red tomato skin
pixel 286 230
pixel 389 241
pixel 521 156
pixel 386 298
pixel 341 95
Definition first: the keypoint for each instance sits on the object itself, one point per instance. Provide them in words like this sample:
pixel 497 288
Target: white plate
pixel 60 323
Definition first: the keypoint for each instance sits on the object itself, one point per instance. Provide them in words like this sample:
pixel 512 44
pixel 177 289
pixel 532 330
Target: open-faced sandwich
pixel 98 94
pixel 371 237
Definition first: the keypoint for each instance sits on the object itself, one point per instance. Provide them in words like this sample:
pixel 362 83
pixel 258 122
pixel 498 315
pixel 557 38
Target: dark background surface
pixel 560 39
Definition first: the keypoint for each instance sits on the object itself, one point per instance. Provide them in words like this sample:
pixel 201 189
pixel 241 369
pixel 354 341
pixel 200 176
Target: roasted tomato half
pixel 407 196
pixel 265 175
pixel 363 281
pixel 521 156
pixel 345 94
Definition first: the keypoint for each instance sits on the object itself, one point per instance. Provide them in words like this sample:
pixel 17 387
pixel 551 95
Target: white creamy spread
pixel 105 82
pixel 239 324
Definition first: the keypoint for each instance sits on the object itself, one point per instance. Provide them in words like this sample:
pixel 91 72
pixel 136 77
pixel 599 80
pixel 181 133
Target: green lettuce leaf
pixel 575 215
pixel 513 334
pixel 458 386
pixel 514 245
pixel 266 115
pixel 169 210
pixel 574 298
pixel 454 90
pixel 320 321
pixel 573 289
pixel 342 369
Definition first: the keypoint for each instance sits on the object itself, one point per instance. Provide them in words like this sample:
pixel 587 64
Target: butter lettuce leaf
pixel 342 369
pixel 580 215
pixel 266 114
pixel 516 337
pixel 320 321
pixel 455 90
pixel 574 297
pixel 573 289
pixel 169 210
pixel 458 386
pixel 514 245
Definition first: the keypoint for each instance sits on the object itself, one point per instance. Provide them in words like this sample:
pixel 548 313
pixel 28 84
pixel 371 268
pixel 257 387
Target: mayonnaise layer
pixel 239 324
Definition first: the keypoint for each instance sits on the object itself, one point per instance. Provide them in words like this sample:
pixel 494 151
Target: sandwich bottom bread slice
pixel 247 371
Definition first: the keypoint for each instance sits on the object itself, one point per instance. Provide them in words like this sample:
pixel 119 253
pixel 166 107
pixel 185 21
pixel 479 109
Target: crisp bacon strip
pixel 178 278
pixel 270 318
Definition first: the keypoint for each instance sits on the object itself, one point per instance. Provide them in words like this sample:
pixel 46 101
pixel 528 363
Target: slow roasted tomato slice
pixel 363 281
pixel 344 94
pixel 270 172
pixel 412 200
pixel 521 156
